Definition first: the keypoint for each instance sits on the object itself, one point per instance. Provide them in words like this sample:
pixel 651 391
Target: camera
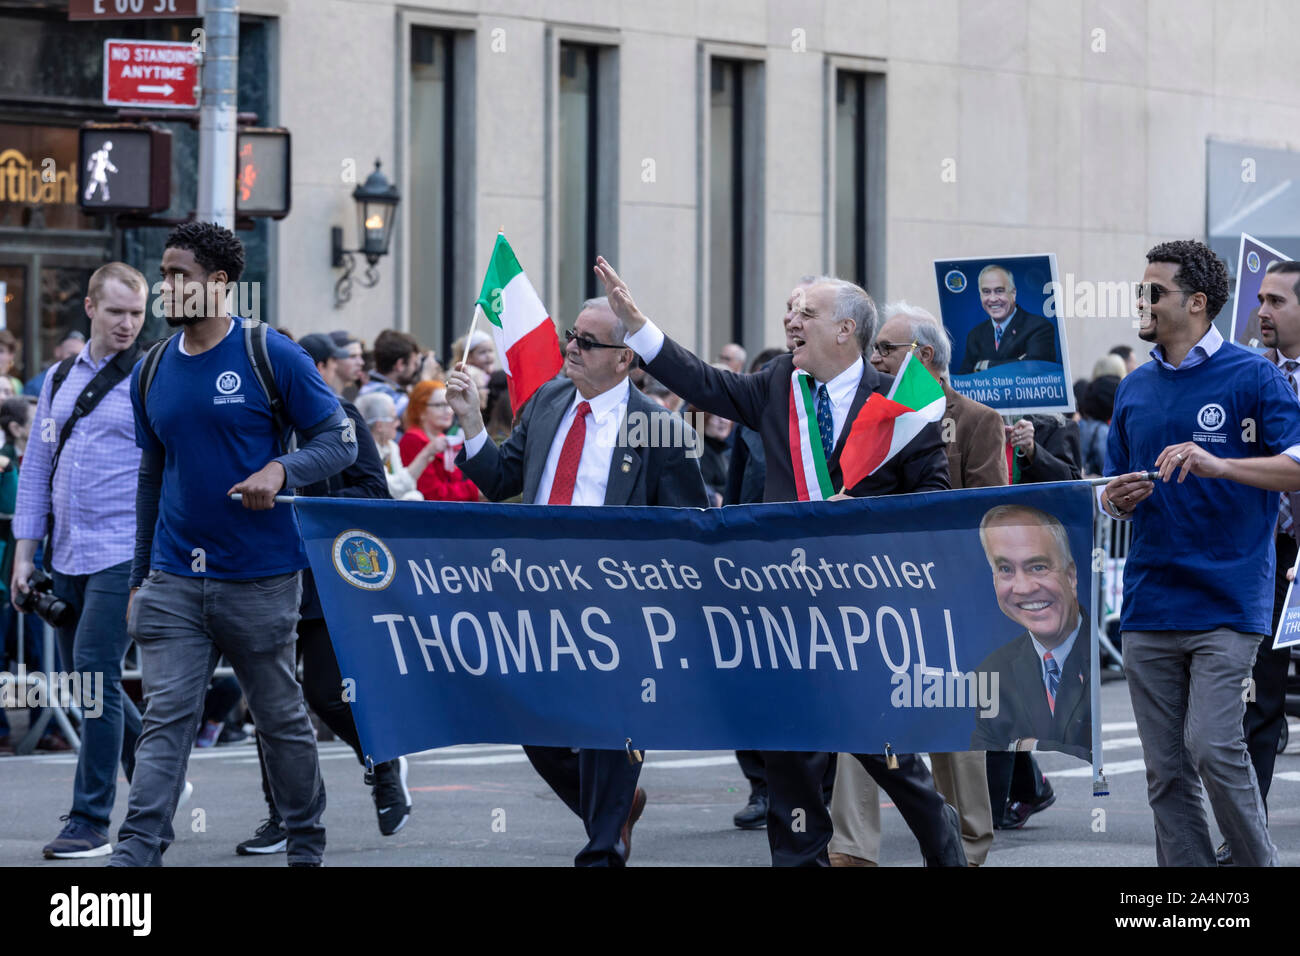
pixel 39 599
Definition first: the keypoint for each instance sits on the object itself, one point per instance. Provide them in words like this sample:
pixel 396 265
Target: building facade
pixel 716 151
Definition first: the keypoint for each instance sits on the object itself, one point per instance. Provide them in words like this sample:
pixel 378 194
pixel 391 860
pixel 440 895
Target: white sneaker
pixel 184 798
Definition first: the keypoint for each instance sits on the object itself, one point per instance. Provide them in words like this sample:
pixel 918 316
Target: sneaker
pixel 208 733
pixel 392 799
pixel 233 735
pixel 271 837
pixel 184 798
pixel 78 841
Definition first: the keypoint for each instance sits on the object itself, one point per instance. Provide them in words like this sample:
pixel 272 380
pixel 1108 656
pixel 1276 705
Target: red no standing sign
pixel 148 73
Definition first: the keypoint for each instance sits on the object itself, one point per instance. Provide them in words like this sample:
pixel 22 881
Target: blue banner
pixel 836 626
pixel 1253 260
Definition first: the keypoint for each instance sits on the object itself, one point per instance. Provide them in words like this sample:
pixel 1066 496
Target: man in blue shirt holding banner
pixel 1198 581
pixel 213 576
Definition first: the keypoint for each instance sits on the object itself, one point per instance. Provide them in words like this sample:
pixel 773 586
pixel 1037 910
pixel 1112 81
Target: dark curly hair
pixel 1199 270
pixel 215 248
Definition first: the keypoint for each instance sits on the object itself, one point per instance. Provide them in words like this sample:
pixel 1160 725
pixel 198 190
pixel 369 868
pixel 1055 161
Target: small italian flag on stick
pixel 521 327
pixel 887 423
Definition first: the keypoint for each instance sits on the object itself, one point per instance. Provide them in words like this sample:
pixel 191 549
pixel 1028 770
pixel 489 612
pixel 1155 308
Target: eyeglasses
pixel 886 349
pixel 586 344
pixel 1154 293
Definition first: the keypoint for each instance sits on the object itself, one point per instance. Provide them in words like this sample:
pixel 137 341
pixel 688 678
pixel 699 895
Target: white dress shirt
pixel 603 422
pixel 841 390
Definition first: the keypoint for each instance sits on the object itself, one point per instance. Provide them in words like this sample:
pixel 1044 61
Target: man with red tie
pixel 802 404
pixel 573 446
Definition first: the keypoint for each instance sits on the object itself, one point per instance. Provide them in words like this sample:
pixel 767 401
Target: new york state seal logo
pixel 363 560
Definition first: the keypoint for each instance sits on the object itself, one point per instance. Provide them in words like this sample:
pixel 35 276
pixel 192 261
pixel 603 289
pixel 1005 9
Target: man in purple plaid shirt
pixel 92 503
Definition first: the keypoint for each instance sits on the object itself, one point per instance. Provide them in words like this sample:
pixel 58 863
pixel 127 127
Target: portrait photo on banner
pixel 1253 260
pixel 1009 349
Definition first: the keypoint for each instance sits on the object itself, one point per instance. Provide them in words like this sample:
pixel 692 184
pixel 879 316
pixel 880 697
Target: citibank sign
pixel 42 182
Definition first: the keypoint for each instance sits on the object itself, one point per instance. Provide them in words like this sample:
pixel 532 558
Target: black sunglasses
pixel 586 344
pixel 888 348
pixel 1154 293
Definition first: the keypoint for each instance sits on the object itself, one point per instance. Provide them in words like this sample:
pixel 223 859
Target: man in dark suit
pixel 828 331
pixel 1043 689
pixel 573 445
pixel 1011 334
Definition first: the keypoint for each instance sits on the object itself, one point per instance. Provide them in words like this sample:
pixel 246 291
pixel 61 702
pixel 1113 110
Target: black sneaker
pixel 754 816
pixel 271 837
pixel 392 799
pixel 77 841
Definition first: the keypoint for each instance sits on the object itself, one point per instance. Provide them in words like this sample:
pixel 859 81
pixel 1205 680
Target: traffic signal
pixel 262 173
pixel 124 168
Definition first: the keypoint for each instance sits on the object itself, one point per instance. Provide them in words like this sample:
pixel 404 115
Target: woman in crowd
pixel 380 415
pixel 428 417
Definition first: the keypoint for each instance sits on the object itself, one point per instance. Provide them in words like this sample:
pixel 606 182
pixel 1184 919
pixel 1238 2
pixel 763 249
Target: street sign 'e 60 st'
pixel 150 73
pixel 124 168
pixel 133 9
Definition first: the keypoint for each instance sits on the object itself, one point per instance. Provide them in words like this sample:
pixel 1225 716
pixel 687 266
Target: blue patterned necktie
pixel 997 336
pixel 825 423
pixel 1053 679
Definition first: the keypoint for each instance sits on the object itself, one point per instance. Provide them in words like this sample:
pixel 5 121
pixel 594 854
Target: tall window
pixel 726 203
pixel 858 253
pixel 578 176
pixel 430 201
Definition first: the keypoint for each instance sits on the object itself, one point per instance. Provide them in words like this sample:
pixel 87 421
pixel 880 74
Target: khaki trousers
pixel 961 778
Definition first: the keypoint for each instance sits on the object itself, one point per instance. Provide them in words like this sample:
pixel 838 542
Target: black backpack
pixel 258 357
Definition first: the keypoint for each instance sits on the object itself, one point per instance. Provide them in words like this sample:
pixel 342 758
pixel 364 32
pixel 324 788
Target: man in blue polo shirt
pixel 1222 428
pixel 212 576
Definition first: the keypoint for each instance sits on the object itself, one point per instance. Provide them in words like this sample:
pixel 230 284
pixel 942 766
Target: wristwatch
pixel 1114 511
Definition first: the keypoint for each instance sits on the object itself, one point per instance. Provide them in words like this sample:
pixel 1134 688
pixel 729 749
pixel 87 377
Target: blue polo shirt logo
pixel 227 384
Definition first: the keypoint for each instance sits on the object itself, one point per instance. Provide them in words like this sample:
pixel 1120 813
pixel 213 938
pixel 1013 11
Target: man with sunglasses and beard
pixel 211 575
pixel 1222 428
pixel 572 447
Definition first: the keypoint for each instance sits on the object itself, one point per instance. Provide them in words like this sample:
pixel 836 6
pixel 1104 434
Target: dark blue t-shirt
pixel 1202 555
pixel 212 422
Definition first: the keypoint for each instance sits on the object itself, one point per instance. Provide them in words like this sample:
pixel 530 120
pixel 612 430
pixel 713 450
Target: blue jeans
pixel 96 644
pixel 182 626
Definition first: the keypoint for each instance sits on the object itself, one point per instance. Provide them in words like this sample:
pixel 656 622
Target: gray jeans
pixel 183 625
pixel 1189 696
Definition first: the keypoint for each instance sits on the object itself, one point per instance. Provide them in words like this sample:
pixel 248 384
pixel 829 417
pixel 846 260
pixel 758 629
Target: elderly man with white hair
pixel 973 438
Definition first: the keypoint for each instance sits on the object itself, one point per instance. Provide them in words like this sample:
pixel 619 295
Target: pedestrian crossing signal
pixel 124 168
pixel 262 173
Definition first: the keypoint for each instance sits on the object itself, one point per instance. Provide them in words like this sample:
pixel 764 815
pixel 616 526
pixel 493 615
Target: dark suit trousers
pixel 799 825
pixel 1266 714
pixel 751 765
pixel 597 785
pixel 1012 777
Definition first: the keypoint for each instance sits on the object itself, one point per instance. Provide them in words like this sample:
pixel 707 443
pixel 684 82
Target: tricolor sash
pixel 812 476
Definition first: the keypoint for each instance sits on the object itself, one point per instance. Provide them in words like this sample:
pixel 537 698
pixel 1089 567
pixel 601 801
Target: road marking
pixel 473 761
pixel 1110 770
pixel 692 762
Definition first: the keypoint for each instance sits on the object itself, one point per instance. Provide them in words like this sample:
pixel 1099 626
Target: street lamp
pixel 377 201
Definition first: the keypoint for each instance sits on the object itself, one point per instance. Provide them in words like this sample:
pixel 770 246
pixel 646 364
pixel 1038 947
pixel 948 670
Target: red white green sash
pixel 812 477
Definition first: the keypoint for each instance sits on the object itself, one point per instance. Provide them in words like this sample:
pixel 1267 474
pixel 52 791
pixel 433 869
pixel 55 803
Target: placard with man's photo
pixel 1009 349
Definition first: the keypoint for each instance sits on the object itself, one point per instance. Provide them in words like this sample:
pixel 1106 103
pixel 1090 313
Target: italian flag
pixel 887 423
pixel 524 333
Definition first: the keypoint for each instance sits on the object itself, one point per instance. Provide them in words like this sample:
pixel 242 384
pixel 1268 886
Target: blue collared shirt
pixel 93 499
pixel 1200 352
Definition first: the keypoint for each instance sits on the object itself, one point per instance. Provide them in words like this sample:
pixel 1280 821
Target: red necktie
pixel 566 470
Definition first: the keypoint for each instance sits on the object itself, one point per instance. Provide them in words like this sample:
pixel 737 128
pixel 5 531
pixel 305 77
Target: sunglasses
pixel 1154 293
pixel 586 344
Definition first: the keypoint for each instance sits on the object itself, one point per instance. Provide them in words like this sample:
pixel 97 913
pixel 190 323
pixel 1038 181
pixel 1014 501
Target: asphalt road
pixel 483 805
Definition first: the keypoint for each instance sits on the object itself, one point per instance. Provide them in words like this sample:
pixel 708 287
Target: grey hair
pixel 1011 280
pixel 375 406
pixel 602 302
pixel 923 329
pixel 853 302
pixel 1001 514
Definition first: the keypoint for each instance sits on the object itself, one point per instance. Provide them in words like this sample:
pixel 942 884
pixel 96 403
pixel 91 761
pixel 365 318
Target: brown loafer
pixel 847 859
pixel 638 805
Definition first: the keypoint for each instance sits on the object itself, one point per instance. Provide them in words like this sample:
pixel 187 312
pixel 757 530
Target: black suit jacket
pixel 638 475
pixel 1022 699
pixel 1058 451
pixel 761 401
pixel 1027 337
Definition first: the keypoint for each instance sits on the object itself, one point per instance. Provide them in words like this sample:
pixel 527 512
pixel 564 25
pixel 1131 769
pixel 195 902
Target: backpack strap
pixel 60 373
pixel 260 359
pixel 149 369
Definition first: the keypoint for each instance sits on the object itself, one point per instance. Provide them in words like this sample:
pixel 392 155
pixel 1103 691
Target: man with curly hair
pixel 212 576
pixel 1198 582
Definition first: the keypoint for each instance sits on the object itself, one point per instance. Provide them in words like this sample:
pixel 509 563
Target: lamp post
pixel 376 201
